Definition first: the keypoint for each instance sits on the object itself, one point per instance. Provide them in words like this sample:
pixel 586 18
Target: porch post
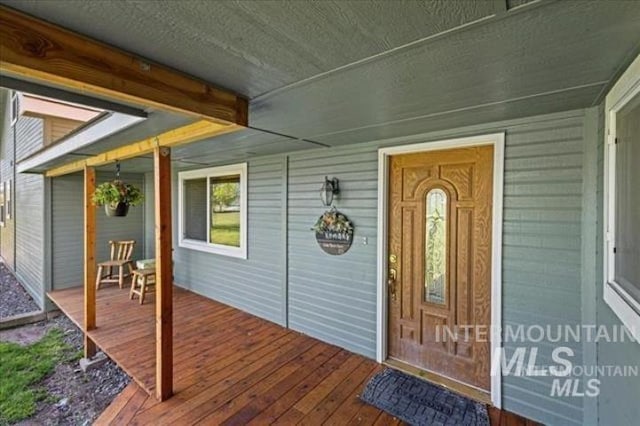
pixel 89 260
pixel 164 274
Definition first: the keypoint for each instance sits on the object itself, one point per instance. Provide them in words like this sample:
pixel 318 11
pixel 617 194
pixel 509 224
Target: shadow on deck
pixel 230 367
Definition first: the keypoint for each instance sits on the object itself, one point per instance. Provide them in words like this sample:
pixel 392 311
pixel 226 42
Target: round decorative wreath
pixel 333 221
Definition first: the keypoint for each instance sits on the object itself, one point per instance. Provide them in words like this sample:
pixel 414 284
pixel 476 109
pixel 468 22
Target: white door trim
pixel 498 141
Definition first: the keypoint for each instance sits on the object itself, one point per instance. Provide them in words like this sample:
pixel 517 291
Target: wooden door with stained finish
pixel 440 227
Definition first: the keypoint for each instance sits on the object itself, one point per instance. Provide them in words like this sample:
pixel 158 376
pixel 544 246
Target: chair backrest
pixel 122 250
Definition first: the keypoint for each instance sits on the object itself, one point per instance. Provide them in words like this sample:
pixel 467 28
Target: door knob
pixel 391 282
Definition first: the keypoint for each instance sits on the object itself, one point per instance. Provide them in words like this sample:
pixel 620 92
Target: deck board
pixel 230 367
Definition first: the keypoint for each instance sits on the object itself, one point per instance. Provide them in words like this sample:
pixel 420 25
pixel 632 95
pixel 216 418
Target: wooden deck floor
pixel 229 367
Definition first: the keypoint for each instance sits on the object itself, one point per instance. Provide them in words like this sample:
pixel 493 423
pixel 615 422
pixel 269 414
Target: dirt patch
pixel 72 396
pixel 14 300
pixel 25 335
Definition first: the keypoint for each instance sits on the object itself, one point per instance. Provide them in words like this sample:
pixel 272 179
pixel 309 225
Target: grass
pixel 225 229
pixel 22 367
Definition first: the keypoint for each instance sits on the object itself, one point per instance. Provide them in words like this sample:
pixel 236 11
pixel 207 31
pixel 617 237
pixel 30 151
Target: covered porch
pixel 229 366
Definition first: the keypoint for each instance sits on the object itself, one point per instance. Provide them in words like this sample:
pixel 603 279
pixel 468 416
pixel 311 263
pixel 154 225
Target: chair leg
pixel 143 288
pixel 121 276
pixel 133 286
pixel 99 277
pixel 110 275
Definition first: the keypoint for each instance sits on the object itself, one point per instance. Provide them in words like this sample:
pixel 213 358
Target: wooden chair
pixel 121 252
pixel 143 280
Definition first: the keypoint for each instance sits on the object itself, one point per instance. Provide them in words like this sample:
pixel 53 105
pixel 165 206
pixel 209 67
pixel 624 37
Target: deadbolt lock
pixel 393 258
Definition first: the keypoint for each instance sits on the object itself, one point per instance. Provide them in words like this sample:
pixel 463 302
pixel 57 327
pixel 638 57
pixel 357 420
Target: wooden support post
pixel 89 260
pixel 164 274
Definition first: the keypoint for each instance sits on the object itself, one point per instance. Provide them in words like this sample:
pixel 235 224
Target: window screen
pixel 195 211
pixel 225 210
pixel 627 196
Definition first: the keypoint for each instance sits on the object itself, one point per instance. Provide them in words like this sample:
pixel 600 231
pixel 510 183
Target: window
pixel 436 247
pixel 2 207
pixel 9 206
pixel 622 202
pixel 14 107
pixel 213 210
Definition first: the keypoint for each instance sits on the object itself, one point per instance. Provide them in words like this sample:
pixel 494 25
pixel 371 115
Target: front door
pixel 440 262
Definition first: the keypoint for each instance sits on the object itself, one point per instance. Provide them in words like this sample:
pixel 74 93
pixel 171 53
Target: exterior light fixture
pixel 329 189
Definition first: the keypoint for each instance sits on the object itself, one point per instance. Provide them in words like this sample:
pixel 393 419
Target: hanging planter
pixel 122 209
pixel 116 196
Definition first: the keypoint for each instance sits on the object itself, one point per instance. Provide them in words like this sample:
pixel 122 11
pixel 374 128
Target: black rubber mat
pixel 418 402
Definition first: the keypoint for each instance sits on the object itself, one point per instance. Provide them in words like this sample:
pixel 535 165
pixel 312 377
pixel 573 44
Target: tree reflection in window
pixel 436 247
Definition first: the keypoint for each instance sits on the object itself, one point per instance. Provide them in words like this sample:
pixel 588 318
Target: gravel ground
pixel 14 299
pixel 75 398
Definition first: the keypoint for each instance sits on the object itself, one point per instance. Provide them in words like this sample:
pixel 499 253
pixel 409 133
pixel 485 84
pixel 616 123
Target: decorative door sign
pixel 334 232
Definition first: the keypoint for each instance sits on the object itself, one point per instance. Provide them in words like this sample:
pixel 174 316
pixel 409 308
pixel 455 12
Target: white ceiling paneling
pixel 255 46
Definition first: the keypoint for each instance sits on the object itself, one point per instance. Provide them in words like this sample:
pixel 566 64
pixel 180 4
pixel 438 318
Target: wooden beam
pixel 89 260
pixel 183 135
pixel 33 49
pixel 164 274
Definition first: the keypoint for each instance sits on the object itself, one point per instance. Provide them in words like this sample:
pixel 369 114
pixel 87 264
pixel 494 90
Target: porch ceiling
pixel 340 72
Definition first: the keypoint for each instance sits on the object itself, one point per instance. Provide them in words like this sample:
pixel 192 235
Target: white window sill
pixel 237 252
pixel 626 308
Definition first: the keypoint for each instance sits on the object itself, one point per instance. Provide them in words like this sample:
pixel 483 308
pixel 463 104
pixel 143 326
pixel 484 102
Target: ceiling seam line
pixel 471 108
pixel 288 136
pixel 424 40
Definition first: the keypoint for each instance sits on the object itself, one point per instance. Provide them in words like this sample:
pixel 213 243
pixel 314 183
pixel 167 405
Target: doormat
pixel 418 402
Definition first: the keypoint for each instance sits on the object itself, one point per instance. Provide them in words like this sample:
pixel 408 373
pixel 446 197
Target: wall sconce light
pixel 330 187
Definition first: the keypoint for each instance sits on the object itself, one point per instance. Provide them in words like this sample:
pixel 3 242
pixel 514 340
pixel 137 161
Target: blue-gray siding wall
pixel 29 214
pixel 334 298
pixel 618 399
pixel 256 284
pixel 68 228
pixel 149 217
pixel 7 233
pixel 29 134
pixel 21 239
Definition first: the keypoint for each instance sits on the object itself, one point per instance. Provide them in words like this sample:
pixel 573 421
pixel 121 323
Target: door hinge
pixel 615 141
pixel 614 250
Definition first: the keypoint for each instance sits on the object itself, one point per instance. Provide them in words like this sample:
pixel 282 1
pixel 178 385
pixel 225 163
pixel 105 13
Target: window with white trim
pixel 15 107
pixel 213 210
pixel 3 211
pixel 9 206
pixel 622 203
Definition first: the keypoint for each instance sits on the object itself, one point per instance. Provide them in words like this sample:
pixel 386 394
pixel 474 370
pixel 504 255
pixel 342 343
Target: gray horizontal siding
pixel 21 239
pixel 29 206
pixel 29 132
pixel 149 217
pixel 7 233
pixel 334 297
pixel 68 228
pixel 255 284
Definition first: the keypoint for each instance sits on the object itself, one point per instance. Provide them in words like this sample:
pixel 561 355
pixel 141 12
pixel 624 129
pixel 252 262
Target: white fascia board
pixel 108 125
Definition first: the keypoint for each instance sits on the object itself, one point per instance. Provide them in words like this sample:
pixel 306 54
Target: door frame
pixel 498 142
